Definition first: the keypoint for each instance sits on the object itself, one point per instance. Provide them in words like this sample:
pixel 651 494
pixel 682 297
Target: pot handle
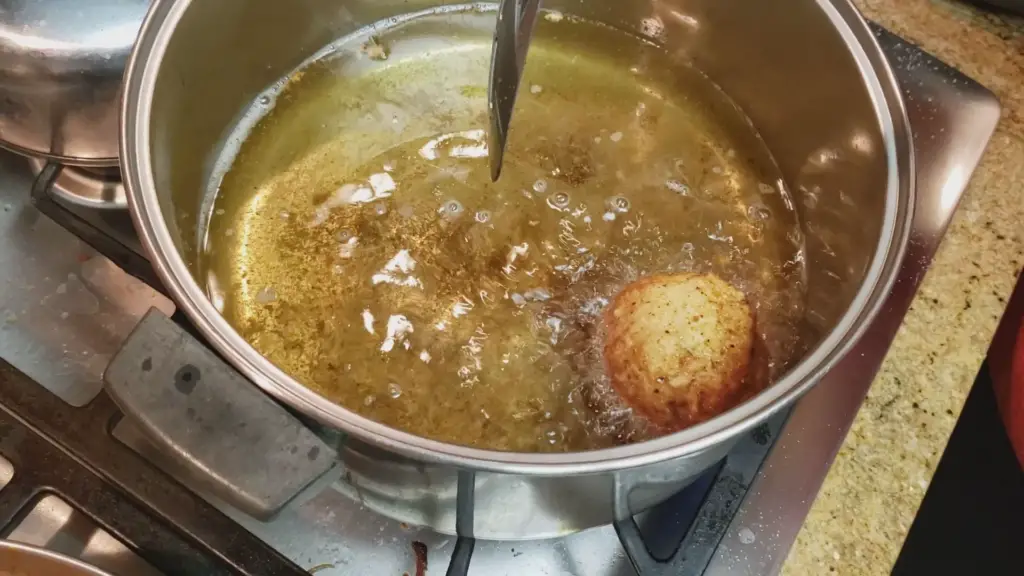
pixel 210 423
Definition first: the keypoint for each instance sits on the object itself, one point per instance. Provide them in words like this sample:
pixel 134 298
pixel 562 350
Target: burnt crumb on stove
pixel 761 435
pixel 419 549
pixel 516 554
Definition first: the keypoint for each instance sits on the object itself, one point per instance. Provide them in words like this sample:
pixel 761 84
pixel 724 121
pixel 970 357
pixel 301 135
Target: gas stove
pixel 80 478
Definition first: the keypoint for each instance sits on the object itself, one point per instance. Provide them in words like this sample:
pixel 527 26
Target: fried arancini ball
pixel 678 346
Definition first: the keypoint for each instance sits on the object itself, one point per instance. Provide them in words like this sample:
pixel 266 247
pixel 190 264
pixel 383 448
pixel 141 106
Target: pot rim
pixel 140 77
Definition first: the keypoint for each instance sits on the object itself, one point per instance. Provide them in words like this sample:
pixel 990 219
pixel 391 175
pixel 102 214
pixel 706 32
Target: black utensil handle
pixel 464 510
pixel 461 556
pixel 212 424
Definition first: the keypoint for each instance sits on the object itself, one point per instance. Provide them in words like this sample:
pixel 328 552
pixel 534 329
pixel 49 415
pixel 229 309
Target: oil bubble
pixel 540 186
pixel 758 213
pixel 451 209
pixel 618 204
pixel 394 390
pixel 482 216
pixel 266 295
pixel 559 201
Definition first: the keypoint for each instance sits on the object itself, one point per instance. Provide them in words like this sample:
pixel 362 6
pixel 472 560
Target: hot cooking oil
pixel 356 240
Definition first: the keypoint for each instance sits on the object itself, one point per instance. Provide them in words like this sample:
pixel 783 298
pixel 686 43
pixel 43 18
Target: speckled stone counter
pixel 873 490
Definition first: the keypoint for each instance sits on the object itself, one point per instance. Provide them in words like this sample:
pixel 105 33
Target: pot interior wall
pixel 790 70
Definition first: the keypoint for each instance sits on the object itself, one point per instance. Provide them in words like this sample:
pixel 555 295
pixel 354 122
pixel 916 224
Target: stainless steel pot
pixel 808 74
pixel 61 64
pixel 21 559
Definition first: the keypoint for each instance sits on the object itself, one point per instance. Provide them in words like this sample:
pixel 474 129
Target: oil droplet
pixel 394 390
pixel 264 100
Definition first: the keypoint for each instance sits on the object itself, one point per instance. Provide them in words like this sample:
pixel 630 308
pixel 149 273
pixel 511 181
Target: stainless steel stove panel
pixel 64 309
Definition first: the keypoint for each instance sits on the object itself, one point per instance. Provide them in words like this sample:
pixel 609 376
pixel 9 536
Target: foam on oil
pixel 357 241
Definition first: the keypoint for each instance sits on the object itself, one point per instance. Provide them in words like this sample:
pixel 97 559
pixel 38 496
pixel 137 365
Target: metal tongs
pixel 508 57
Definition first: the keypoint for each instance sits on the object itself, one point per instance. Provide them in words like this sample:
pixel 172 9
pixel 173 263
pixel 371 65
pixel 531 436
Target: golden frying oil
pixel 358 242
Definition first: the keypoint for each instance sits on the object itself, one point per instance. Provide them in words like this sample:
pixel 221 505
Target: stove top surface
pixel 66 309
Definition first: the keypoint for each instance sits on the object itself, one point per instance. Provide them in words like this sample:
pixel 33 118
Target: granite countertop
pixel 876 484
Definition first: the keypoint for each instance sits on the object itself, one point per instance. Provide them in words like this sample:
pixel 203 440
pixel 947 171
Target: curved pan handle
pixel 214 426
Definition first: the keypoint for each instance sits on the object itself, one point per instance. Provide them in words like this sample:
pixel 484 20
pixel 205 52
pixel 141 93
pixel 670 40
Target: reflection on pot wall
pixel 508 507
